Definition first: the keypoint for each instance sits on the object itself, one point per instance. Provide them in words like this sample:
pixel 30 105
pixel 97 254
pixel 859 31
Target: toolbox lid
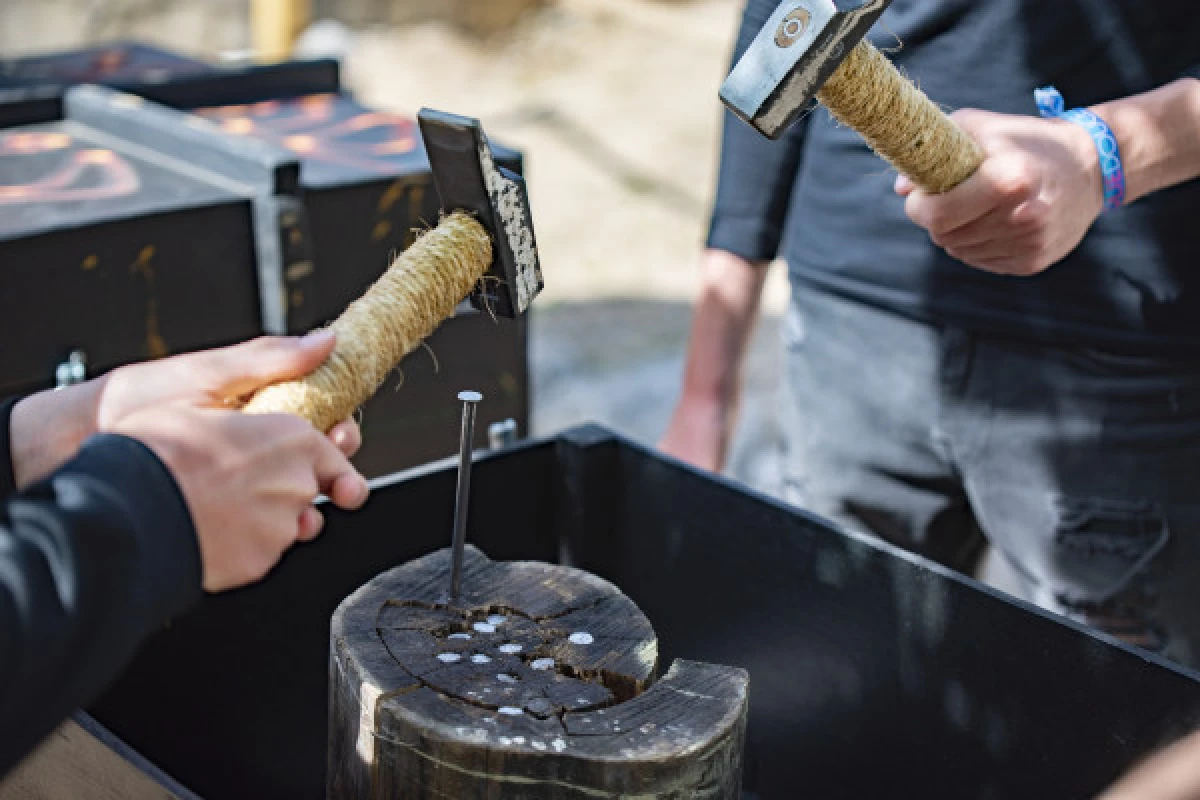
pixel 122 62
pixel 338 140
pixel 63 174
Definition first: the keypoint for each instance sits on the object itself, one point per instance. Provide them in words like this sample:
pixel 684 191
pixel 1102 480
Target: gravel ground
pixel 619 363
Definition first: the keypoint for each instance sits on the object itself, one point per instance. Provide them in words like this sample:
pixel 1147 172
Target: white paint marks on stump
pixel 448 658
pixel 459 636
pixel 511 711
pixel 484 627
pixel 542 663
pixel 479 658
pixel 496 619
pixel 506 678
pixel 510 649
pixel 580 637
pixel 559 745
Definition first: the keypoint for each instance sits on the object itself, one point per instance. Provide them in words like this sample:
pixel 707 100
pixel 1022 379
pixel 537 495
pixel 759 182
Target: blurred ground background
pixel 614 103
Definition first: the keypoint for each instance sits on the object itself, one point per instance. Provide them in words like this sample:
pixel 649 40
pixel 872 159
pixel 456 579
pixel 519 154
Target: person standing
pixel 1015 362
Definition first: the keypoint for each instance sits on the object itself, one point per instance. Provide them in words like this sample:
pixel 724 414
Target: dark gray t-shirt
pixel 820 199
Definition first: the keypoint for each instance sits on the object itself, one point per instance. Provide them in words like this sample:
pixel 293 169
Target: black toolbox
pixel 116 250
pixel 328 192
pixel 873 673
pixel 31 88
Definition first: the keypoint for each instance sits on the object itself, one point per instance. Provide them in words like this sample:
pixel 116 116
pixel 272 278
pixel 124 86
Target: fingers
pixel 1002 182
pixel 337 477
pixel 311 523
pixel 349 492
pixel 233 372
pixel 347 437
pixel 1000 225
pixel 1014 265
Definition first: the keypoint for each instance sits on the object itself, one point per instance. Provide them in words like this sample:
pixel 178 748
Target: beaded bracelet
pixel 1050 104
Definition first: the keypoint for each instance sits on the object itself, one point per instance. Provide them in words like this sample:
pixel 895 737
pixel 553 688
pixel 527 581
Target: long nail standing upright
pixel 469 400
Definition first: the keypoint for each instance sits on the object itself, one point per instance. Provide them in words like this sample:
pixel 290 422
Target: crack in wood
pixel 592 723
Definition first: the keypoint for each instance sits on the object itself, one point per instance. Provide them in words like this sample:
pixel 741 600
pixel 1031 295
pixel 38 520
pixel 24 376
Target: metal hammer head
pixel 800 46
pixel 468 179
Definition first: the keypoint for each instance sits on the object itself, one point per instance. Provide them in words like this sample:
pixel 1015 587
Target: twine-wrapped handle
pixel 419 291
pixel 897 120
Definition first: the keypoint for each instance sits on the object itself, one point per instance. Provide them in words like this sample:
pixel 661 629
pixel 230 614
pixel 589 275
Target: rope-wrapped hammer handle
pixel 901 124
pixel 419 291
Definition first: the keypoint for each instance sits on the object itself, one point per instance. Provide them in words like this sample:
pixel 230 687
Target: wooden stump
pixel 539 682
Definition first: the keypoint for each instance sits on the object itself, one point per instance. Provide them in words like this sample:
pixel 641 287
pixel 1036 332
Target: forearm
pixel 91 560
pixel 726 312
pixel 1159 136
pixel 47 429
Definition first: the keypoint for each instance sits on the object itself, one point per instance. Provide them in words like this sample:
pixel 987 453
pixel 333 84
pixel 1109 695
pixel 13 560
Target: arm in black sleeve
pixel 756 175
pixel 92 559
pixel 8 483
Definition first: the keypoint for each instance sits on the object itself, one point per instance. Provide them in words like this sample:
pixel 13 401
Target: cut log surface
pixel 538 682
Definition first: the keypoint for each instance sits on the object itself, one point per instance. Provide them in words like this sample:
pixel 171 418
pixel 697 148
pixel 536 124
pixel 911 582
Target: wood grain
pixel 81 759
pixel 540 682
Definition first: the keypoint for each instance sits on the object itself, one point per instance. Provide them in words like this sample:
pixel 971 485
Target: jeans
pixel 1077 467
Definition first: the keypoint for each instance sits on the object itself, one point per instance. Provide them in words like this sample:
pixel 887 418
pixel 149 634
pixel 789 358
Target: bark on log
pixel 538 683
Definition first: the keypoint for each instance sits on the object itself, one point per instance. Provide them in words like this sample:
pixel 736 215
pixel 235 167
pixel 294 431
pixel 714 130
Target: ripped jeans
pixel 1079 467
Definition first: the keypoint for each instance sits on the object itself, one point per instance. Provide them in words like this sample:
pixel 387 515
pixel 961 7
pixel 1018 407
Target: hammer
pixel 483 248
pixel 817 49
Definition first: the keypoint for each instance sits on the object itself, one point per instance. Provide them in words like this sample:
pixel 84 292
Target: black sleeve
pixel 92 559
pixel 8 483
pixel 756 175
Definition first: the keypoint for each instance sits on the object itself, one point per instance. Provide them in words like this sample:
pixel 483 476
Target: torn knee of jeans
pixel 1102 549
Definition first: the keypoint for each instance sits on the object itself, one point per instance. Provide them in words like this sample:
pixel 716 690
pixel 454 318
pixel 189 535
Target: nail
pixel 320 336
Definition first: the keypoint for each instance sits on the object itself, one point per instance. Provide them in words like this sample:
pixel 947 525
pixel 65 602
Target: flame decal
pixel 311 127
pixel 92 174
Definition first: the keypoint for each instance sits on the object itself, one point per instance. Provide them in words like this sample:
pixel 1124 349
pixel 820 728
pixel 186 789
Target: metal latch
pixel 72 371
pixel 502 434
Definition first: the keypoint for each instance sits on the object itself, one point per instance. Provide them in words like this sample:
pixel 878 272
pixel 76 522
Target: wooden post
pixel 83 759
pixel 274 26
pixel 538 683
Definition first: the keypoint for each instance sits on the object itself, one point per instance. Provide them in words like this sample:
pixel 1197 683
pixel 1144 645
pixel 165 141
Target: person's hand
pixel 698 434
pixel 219 378
pixel 249 482
pixel 47 428
pixel 1028 206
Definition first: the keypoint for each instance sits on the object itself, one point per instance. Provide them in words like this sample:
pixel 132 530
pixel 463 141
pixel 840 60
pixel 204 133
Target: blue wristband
pixel 1050 104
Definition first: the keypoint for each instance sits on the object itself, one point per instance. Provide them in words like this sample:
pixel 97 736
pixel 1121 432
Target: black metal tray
pixel 873 673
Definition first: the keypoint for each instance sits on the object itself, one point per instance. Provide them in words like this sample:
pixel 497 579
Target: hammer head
pixel 468 179
pixel 800 46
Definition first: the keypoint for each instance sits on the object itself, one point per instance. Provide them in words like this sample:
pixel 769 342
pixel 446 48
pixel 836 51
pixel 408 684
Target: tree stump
pixel 539 682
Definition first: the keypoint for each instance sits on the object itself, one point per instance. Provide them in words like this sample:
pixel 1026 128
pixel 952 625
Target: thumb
pixel 904 185
pixel 244 368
